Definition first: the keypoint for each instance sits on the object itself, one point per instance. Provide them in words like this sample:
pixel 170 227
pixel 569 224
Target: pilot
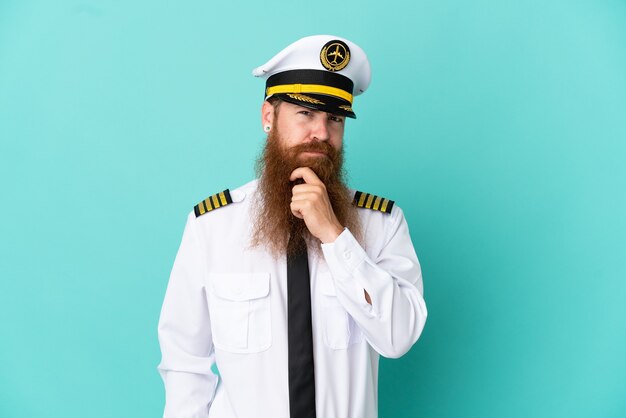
pixel 286 290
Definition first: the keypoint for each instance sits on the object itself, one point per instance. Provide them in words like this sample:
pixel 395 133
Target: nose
pixel 320 129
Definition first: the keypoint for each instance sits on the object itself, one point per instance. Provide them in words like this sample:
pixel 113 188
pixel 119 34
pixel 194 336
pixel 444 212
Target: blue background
pixel 499 127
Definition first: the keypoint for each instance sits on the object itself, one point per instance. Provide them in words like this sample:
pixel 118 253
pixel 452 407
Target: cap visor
pixel 321 102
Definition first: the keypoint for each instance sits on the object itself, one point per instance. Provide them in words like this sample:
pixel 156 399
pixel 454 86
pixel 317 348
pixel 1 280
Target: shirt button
pixel 347 255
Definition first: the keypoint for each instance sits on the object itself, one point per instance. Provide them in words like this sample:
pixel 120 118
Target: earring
pixel 267 128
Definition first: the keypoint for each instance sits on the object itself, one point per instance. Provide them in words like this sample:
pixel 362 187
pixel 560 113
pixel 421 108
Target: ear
pixel 267 114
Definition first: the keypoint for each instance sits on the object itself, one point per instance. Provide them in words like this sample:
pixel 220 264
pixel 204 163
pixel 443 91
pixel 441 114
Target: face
pixel 300 125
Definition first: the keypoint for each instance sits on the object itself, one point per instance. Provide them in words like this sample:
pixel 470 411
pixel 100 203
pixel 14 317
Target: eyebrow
pixel 320 111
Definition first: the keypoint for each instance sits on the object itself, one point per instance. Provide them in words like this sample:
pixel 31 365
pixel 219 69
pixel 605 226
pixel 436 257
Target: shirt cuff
pixel 344 254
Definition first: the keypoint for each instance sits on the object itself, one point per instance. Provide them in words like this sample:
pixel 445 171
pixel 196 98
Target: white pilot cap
pixel 324 72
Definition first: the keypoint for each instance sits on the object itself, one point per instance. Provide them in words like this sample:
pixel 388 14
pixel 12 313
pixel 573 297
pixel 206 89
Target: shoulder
pixel 223 198
pixel 380 218
pixel 373 202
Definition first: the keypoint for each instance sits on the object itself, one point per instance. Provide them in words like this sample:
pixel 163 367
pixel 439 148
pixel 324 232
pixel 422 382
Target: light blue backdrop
pixel 499 127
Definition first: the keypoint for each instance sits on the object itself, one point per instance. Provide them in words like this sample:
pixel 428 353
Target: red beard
pixel 274 222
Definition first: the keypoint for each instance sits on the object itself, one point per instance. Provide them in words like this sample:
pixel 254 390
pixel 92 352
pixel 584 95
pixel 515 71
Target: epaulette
pixel 370 201
pixel 213 202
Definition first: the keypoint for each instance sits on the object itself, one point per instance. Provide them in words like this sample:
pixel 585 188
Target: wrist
pixel 332 234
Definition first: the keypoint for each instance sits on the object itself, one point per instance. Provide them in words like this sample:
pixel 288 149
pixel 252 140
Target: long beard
pixel 274 222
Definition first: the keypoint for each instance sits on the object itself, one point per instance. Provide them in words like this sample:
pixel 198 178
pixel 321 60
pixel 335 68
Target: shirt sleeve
pixel 185 334
pixel 393 279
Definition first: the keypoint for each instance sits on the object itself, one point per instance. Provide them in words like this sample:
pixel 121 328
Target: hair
pixel 275 102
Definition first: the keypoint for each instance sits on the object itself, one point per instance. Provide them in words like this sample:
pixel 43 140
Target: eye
pixel 338 119
pixel 304 112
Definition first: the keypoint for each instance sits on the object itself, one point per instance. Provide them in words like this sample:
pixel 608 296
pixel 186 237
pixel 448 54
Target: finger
pixel 303 206
pixel 311 197
pixel 306 188
pixel 306 174
pixel 296 211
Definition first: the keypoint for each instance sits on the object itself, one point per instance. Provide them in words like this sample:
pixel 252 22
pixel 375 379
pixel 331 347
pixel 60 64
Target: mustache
pixel 317 146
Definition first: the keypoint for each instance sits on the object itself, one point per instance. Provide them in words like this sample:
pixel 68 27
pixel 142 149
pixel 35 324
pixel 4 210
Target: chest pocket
pixel 239 306
pixel 340 330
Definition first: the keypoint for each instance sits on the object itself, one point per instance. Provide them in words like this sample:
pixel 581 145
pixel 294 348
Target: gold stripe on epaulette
pixel 384 206
pixel 376 203
pixel 212 202
pixel 361 199
pixel 373 202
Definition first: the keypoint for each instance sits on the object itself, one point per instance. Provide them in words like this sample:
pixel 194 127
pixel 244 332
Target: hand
pixel 309 201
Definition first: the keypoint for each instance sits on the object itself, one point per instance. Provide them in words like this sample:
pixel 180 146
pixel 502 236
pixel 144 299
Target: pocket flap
pixel 240 287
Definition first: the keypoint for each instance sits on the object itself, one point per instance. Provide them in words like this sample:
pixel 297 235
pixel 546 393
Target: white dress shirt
pixel 226 304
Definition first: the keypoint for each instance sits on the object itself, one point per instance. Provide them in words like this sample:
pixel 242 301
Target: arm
pixel 392 282
pixel 185 334
pixel 394 320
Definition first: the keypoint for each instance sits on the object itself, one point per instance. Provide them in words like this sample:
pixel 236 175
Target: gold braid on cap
pixel 304 98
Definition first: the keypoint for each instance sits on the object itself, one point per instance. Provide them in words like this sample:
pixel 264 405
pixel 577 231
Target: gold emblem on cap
pixel 335 55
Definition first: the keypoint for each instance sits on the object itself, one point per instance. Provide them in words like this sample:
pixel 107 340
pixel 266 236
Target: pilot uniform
pixel 226 306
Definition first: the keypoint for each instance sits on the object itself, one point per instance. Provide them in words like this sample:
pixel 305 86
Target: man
pixel 292 285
